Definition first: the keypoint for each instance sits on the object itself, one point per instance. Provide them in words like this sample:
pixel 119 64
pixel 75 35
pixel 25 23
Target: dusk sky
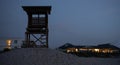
pixel 80 22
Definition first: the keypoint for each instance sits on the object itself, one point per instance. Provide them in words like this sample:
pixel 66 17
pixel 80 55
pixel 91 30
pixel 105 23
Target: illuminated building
pixel 10 43
pixel 103 48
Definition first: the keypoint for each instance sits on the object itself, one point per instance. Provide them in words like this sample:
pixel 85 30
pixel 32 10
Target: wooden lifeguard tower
pixel 37 27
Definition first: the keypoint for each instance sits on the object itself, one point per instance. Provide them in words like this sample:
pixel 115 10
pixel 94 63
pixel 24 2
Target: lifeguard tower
pixel 37 29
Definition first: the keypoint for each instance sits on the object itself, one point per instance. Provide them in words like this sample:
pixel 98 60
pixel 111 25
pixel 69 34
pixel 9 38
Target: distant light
pixel 107 51
pixel 9 42
pixel 68 51
pixel 96 50
pixel 83 49
pixel 76 50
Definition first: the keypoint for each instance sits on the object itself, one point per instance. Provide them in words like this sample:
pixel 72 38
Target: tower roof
pixel 37 9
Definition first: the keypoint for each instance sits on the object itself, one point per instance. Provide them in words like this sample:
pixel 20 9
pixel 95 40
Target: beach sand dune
pixel 44 56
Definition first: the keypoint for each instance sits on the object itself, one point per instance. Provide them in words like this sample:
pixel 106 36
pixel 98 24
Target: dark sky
pixel 81 22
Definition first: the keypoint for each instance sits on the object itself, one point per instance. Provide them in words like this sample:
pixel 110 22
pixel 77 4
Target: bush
pixel 6 49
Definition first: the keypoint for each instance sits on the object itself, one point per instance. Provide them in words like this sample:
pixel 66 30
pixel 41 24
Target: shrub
pixel 6 49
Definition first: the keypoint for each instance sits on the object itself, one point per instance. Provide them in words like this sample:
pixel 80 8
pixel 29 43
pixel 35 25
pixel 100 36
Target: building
pixel 10 43
pixel 102 48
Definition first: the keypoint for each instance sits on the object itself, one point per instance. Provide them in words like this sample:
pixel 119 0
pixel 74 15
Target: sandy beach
pixel 43 56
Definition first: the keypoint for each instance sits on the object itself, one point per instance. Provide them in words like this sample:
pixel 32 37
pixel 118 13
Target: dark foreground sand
pixel 43 56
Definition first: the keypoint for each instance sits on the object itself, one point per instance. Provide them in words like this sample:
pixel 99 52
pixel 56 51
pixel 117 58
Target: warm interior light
pixel 68 51
pixel 107 51
pixel 96 50
pixel 76 50
pixel 9 42
pixel 82 49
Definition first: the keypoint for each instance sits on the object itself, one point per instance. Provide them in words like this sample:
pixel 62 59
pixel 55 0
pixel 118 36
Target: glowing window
pixel 9 42
pixel 96 50
pixel 68 51
pixel 76 50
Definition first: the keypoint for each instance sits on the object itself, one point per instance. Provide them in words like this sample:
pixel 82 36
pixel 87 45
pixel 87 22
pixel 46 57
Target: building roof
pixel 67 45
pixel 107 46
pixel 101 46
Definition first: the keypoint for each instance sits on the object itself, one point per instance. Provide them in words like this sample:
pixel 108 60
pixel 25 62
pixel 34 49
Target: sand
pixel 44 56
